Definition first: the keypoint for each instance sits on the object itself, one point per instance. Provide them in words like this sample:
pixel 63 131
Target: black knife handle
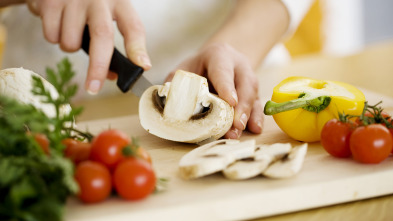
pixel 127 72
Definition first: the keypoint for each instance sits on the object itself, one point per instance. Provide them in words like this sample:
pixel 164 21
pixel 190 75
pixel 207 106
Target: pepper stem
pixel 305 101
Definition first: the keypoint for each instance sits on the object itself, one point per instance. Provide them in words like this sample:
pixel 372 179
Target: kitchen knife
pixel 129 75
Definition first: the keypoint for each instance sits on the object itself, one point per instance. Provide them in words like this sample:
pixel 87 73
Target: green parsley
pixel 33 185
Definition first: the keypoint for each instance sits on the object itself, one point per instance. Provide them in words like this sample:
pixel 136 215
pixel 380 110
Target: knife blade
pixel 129 75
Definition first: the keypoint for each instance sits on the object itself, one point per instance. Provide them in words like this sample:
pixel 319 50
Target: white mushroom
pixel 289 165
pixel 254 166
pixel 184 110
pixel 16 83
pixel 214 157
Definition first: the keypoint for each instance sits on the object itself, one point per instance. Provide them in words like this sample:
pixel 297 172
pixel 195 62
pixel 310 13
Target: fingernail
pixel 235 133
pixel 234 96
pixel 259 124
pixel 145 61
pixel 94 87
pixel 243 120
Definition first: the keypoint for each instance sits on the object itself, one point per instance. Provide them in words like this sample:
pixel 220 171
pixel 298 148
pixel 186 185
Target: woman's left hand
pixel 233 79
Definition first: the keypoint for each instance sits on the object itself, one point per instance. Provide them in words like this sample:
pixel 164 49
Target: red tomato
pixel 134 179
pixel 94 181
pixel 107 147
pixel 43 141
pixel 76 150
pixel 371 144
pixel 391 133
pixel 335 138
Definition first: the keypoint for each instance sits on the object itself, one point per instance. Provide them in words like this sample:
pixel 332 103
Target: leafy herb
pixel 33 185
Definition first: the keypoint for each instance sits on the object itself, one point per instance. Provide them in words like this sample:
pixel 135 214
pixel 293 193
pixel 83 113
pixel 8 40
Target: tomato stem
pixel 80 134
pixel 305 101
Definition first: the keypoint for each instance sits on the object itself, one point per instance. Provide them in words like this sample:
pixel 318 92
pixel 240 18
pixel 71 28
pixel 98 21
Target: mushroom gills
pixel 214 157
pixel 264 155
pixel 199 113
pixel 243 160
pixel 289 165
pixel 184 110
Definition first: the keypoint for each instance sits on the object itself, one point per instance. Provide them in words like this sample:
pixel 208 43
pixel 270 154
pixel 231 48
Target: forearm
pixel 4 3
pixel 253 28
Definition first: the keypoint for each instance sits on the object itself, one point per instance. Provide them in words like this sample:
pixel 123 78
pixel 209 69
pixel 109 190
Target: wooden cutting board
pixel 323 181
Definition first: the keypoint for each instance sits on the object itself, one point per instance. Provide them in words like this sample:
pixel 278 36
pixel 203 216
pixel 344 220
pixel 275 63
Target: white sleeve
pixel 297 9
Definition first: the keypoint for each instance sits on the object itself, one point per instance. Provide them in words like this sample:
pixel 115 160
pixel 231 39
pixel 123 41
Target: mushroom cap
pixel 211 125
pixel 16 83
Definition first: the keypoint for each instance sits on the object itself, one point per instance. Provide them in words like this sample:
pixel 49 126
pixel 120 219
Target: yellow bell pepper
pixel 301 106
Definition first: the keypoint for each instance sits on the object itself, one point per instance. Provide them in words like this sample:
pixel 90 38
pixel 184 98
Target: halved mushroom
pixel 16 83
pixel 214 157
pixel 288 165
pixel 254 166
pixel 183 110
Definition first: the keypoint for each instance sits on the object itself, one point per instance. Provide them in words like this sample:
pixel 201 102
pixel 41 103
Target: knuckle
pixel 50 4
pixel 69 45
pixel 102 30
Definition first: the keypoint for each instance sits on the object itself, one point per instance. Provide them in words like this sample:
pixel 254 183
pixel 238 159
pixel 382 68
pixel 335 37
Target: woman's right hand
pixel 64 21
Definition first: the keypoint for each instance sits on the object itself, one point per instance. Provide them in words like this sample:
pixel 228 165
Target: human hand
pixel 233 78
pixel 64 21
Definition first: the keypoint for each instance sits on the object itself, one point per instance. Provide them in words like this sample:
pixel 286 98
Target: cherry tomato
pixel 94 181
pixel 43 141
pixel 134 178
pixel 107 147
pixel 335 138
pixel 371 143
pixel 391 133
pixel 76 150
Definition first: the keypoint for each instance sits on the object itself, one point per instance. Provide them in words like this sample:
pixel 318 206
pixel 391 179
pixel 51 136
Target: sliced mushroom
pixel 214 157
pixel 184 110
pixel 289 165
pixel 16 83
pixel 263 157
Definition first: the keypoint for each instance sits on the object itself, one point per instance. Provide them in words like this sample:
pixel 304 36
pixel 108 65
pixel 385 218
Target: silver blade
pixel 140 86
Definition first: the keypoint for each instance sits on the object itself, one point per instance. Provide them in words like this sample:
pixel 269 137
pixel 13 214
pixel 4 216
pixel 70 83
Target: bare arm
pixel 253 28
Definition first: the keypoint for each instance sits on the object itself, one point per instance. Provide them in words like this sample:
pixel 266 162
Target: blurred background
pixel 343 27
pixel 331 29
pixel 331 26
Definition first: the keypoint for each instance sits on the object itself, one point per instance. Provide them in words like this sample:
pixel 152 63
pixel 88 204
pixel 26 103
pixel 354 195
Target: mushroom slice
pixel 16 83
pixel 214 157
pixel 184 110
pixel 263 157
pixel 289 165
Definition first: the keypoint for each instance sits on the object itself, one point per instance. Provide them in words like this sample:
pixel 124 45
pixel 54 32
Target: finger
pixel 220 72
pixel 73 23
pixel 233 133
pixel 51 14
pixel 33 6
pixel 247 89
pixel 169 77
pixel 192 64
pixel 255 122
pixel 131 27
pixel 101 46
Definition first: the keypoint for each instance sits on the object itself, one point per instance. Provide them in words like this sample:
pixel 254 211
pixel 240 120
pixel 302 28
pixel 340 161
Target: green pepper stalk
pixel 305 101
